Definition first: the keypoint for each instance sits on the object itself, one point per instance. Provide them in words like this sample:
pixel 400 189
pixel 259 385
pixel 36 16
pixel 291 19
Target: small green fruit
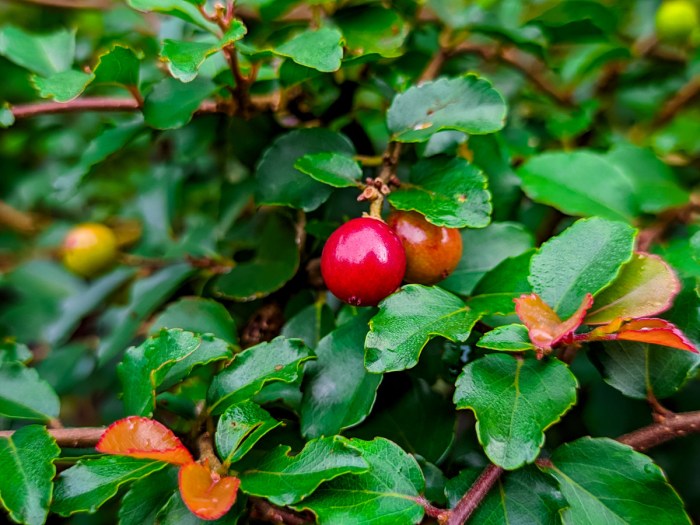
pixel 89 248
pixel 676 20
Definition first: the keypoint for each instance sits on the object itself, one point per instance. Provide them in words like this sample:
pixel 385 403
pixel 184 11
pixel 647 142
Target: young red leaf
pixel 644 330
pixel 206 494
pixel 140 437
pixel 543 324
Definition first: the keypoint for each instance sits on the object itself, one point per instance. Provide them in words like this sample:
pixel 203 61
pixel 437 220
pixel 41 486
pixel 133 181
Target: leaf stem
pixel 475 495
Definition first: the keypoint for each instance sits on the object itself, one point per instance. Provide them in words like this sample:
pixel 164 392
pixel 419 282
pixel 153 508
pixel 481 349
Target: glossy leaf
pixel 44 54
pixel 508 338
pixel 468 104
pixel 147 496
pixel 285 479
pixel 385 495
pixel 448 191
pixel 179 8
pixel 515 400
pixel 338 391
pixel 24 395
pixel 279 360
pixel 644 330
pixel 614 485
pixel 372 29
pixel 646 286
pixel 26 485
pixel 120 65
pixel 239 428
pixel 63 86
pixel 171 103
pixel 205 493
pixel 584 258
pixel 407 320
pixel 334 169
pixel 311 324
pixel 198 315
pixel 140 437
pixel 87 485
pixel 320 49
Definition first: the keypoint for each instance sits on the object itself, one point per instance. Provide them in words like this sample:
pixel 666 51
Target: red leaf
pixel 543 324
pixel 140 437
pixel 645 330
pixel 206 494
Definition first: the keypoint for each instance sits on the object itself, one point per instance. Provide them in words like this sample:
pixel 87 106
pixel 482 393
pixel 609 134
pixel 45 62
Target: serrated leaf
pixel 146 497
pixel 614 485
pixel 279 360
pixel 27 458
pixel 584 258
pixel 207 495
pixel 185 58
pixel 468 104
pixel 386 495
pixel 646 286
pixel 319 49
pixel 44 54
pixel 515 400
pixel 198 315
pixel 338 391
pixel 508 338
pixel 408 319
pixel 285 479
pixel 448 191
pixel 334 169
pixel 144 367
pixel 140 437
pixel 63 86
pixel 372 29
pixel 239 428
pixel 179 8
pixel 579 183
pixel 86 486
pixel 120 65
pixel 171 103
pixel 24 395
pixel 278 182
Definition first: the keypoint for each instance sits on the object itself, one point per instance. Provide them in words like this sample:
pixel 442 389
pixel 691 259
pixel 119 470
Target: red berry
pixel 432 252
pixel 363 262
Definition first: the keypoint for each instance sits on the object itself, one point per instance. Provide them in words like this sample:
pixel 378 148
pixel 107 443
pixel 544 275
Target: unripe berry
pixel 363 262
pixel 432 252
pixel 89 248
pixel 676 20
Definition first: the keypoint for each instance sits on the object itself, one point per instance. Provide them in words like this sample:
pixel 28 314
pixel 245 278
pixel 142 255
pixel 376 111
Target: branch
pixel 86 437
pixel 684 96
pixel 264 511
pixel 478 491
pixel 667 428
pixel 71 4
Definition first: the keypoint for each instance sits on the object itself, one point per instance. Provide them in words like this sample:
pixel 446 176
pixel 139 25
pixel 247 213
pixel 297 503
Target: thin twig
pixel 72 4
pixel 264 511
pixel 86 437
pixel 667 428
pixel 685 95
pixel 477 492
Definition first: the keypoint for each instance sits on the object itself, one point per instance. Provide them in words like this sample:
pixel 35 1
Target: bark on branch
pixel 667 427
pixel 86 437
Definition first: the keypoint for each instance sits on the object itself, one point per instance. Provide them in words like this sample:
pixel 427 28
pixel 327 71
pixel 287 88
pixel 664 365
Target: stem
pixel 264 511
pixel 70 437
pixel 17 220
pixel 667 427
pixel 685 95
pixel 432 511
pixel 477 492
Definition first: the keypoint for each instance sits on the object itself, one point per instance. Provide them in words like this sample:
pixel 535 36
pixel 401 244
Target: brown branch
pixel 71 4
pixel 86 437
pixel 686 94
pixel 17 220
pixel 667 427
pixel 264 511
pixel 477 492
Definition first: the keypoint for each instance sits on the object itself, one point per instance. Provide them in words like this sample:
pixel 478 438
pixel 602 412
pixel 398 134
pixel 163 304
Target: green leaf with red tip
pixel 140 437
pixel 543 324
pixel 644 330
pixel 207 495
pixel 646 286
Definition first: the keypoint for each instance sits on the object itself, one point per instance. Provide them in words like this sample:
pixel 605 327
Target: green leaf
pixel 320 49
pixel 407 320
pixel 468 104
pixel 523 496
pixel 515 400
pixel 144 367
pixel 279 360
pixel 511 275
pixel 87 485
pixel 24 395
pixel 645 287
pixel 580 183
pixel 198 315
pixel 372 29
pixel 26 485
pixel 338 391
pixel 43 54
pixel 185 58
pixel 448 191
pixel 285 479
pixel 276 259
pixel 311 324
pixel 386 495
pixel 508 338
pixel 120 65
pixel 7 118
pixel 63 86
pixel 146 295
pixel 278 182
pixel 483 250
pixel 179 8
pixel 11 351
pixel 239 428
pixel 614 484
pixel 172 103
pixel 147 496
pixel 584 258
pixel 334 169
pixel 636 369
